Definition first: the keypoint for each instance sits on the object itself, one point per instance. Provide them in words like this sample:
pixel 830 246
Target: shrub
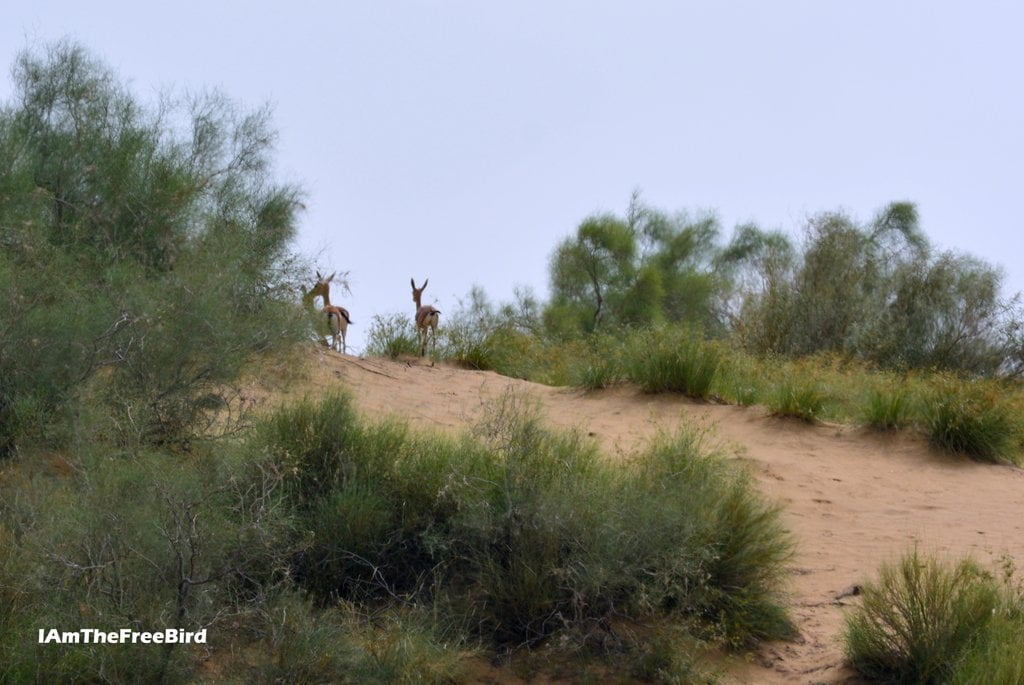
pixel 594 374
pixel 798 398
pixel 466 345
pixel 517 533
pixel 393 336
pixel 600 367
pixel 887 407
pixel 672 360
pixel 147 258
pixel 305 645
pixel 919 618
pixel 995 656
pixel 150 542
pixel 741 377
pixel 972 419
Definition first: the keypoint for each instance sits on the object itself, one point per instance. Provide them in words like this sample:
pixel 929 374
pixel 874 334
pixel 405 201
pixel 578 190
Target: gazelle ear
pixel 318 276
pixel 331 277
pixel 425 284
pixel 412 282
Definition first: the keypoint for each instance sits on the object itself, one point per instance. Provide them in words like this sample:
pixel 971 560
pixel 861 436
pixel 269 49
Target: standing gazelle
pixel 426 318
pixel 337 317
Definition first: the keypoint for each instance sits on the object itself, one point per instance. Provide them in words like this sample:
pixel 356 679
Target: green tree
pixel 148 240
pixel 874 291
pixel 595 265
pixel 640 269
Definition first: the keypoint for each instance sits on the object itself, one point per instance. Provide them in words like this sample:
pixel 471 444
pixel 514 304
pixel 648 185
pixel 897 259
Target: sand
pixel 852 498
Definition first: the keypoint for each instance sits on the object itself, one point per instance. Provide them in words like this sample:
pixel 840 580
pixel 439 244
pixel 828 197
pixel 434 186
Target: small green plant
pixel 594 374
pixel 393 336
pixel 798 398
pixel 467 346
pixel 919 618
pixel 887 408
pixel 672 360
pixel 973 419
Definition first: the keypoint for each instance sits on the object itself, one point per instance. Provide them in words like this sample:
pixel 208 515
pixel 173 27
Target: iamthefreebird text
pixel 124 636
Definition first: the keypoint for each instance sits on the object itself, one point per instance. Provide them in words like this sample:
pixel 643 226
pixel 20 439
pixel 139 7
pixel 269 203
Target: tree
pixel 638 270
pixel 150 240
pixel 597 263
pixel 874 291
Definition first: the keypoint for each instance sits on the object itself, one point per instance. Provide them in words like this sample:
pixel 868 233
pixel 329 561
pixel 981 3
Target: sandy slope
pixel 853 499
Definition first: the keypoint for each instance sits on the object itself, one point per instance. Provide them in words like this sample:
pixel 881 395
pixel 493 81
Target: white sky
pixel 461 140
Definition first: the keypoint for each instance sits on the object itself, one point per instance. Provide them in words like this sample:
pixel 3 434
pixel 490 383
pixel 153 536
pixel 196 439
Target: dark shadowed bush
pixel 302 644
pixel 151 543
pixel 519 533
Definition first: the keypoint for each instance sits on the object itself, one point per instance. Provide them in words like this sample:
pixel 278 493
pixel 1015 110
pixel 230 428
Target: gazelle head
pixel 321 288
pixel 417 293
pixel 323 285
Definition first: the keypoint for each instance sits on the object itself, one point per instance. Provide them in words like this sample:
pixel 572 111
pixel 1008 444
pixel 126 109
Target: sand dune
pixel 853 499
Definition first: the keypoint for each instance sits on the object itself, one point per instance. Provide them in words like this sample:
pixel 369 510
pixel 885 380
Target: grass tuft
pixel 972 419
pixel 798 398
pixel 672 360
pixel 919 618
pixel 887 408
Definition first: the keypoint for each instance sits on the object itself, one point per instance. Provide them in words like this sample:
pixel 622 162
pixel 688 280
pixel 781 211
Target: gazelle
pixel 337 317
pixel 426 318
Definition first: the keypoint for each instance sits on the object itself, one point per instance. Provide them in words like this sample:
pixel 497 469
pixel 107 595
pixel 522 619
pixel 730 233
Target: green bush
pixel 302 644
pixel 518 533
pixel 594 373
pixel 798 398
pixel 149 542
pixel 672 360
pixel 143 261
pixel 887 408
pixel 996 656
pixel 601 365
pixel 919 619
pixel 973 419
pixel 467 346
pixel 392 336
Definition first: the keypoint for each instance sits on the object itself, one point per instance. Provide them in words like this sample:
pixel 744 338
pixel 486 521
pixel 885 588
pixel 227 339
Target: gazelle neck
pixel 321 289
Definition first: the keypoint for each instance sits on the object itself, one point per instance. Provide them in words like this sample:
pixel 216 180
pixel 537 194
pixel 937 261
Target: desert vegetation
pixel 862 323
pixel 930 620
pixel 146 265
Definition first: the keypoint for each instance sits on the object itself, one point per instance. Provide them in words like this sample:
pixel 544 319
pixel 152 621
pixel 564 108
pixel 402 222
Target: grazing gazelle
pixel 337 317
pixel 426 318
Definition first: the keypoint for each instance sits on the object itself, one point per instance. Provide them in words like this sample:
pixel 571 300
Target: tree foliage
pixel 149 240
pixel 640 269
pixel 877 290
